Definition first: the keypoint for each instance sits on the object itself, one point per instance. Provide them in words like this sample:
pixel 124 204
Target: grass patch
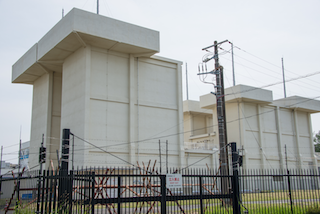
pixel 281 195
pixel 314 210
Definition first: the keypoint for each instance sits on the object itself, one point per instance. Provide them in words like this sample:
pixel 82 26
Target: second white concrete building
pixel 269 133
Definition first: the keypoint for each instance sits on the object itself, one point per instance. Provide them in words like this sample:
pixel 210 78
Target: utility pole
pixel 220 103
pixel 19 165
pixel 160 156
pixel 65 151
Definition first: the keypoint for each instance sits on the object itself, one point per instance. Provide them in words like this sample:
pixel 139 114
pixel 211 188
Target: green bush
pixel 315 210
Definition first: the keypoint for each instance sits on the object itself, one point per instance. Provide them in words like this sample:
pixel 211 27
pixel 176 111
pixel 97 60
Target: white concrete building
pixel 200 139
pixel 260 126
pixel 99 78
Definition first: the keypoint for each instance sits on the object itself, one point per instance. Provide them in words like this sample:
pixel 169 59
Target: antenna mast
pixel 97 6
pixel 234 78
pixel 187 81
pixel 284 81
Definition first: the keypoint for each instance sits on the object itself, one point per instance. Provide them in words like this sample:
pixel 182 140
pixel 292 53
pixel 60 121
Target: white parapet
pixel 239 92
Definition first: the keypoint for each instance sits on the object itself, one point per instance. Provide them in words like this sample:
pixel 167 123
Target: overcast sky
pixel 262 32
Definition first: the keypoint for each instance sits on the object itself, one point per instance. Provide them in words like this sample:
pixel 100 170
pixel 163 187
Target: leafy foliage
pixel 314 210
pixel 316 140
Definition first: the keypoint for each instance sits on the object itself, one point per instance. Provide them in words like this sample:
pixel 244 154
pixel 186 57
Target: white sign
pixel 174 181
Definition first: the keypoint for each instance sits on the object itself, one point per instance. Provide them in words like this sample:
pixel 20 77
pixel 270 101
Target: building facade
pixel 270 134
pixel 99 78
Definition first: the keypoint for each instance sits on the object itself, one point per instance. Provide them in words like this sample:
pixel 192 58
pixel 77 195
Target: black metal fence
pixel 128 190
pixel 279 191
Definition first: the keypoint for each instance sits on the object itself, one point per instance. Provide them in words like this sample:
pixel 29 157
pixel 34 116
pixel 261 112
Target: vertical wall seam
pixel 314 160
pixel 279 137
pixel 87 52
pixel 107 98
pixel 47 135
pixel 180 115
pixel 296 134
pixel 138 109
pixel 261 138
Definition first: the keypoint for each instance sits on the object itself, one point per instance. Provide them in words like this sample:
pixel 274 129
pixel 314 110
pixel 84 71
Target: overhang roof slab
pixel 78 29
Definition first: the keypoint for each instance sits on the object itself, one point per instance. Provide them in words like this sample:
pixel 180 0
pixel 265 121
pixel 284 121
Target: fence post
pixel 39 189
pixel 43 183
pixel 18 188
pixel 163 194
pixel 63 174
pixel 119 194
pixel 70 191
pixel 289 187
pixel 201 204
pixel 0 181
pixel 92 192
pixel 235 178
pixel 46 188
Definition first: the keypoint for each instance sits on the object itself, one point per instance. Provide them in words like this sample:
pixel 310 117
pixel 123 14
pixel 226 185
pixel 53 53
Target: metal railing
pixel 202 145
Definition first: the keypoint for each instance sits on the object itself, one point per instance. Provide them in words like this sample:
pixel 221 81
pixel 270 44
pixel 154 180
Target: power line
pixel 11 145
pixel 183 132
pixel 268 62
pixel 138 166
pixel 189 130
pixel 304 76
pixel 272 84
pixel 305 84
pixel 281 82
pixel 111 154
pixel 173 134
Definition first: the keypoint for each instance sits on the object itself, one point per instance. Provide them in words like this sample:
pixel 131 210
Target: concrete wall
pixel 39 116
pixel 263 128
pixel 98 77
pixel 55 129
pixel 46 113
pixel 265 140
pixel 114 100
pixel 75 98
